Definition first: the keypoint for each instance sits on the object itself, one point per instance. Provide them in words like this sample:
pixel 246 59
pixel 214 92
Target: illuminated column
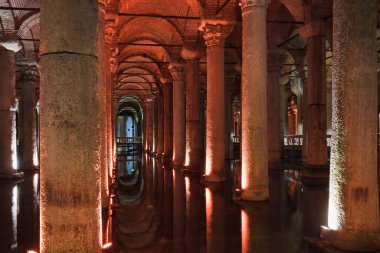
pixel 102 57
pixel 193 140
pixel 254 102
pixel 215 33
pixel 148 119
pixel 70 134
pixel 168 120
pixel 316 149
pixel 152 125
pixel 8 150
pixel 179 113
pixel 275 60
pixel 28 120
pixel 160 126
pixel 353 215
pixel 229 81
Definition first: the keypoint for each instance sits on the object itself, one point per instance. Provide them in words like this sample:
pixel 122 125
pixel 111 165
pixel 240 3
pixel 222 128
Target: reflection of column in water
pixel 314 210
pixel 179 212
pixel 254 228
pixel 8 216
pixel 28 214
pixel 215 218
pixel 160 187
pixel 195 214
pixel 168 203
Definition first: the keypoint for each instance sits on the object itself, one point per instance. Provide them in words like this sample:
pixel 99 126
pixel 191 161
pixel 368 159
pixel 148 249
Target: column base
pixel 10 176
pixel 254 196
pixel 193 168
pixel 357 241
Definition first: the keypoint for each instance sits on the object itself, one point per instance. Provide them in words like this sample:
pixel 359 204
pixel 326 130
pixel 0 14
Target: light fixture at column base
pixel 16 175
pixel 357 241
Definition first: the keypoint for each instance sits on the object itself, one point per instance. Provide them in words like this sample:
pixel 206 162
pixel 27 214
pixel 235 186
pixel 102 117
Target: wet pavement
pixel 160 209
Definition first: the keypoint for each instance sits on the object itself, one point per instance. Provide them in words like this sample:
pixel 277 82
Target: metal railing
pixel 297 140
pixel 129 140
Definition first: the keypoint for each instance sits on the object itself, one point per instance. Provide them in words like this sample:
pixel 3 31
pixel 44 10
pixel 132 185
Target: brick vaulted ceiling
pixel 138 23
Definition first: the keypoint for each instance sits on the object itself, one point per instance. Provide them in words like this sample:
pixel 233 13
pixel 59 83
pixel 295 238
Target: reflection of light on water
pixel 14 143
pixel 14 215
pixel 35 189
pixel 208 206
pixel 244 231
pixel 187 185
pixel 35 155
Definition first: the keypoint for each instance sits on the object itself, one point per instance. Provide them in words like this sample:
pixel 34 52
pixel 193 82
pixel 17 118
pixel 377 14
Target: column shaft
pixel 168 120
pixel 70 134
pixel 160 125
pixel 193 140
pixel 254 102
pixel 8 151
pixel 228 117
pixel 179 114
pixel 353 217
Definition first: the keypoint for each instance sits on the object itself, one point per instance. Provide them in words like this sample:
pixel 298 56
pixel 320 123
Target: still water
pixel 160 209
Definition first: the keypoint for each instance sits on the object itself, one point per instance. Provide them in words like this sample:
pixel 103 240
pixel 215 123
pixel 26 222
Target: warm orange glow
pixel 208 165
pixel 208 205
pixel 244 180
pixel 244 232
pixel 31 251
pixel 107 245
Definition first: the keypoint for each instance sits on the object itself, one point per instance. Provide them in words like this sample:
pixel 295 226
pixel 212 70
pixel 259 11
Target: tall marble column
pixel 215 33
pixel 147 124
pixel 353 215
pixel 275 60
pixel 229 81
pixel 8 150
pixel 254 102
pixel 160 126
pixel 179 113
pixel 28 135
pixel 70 149
pixel 315 96
pixel 168 120
pixel 193 140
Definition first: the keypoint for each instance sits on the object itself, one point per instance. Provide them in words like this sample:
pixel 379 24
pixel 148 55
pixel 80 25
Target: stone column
pixel 316 149
pixel 8 150
pixel 29 159
pixel 179 113
pixel 353 216
pixel 155 125
pixel 193 140
pixel 274 99
pixel 147 124
pixel 168 120
pixel 70 148
pixel 229 81
pixel 152 126
pixel 160 126
pixel 254 102
pixel 215 33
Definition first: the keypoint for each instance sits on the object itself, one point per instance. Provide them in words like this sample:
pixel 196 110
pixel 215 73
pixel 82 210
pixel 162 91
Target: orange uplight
pixel 31 251
pixel 244 180
pixel 107 245
pixel 244 231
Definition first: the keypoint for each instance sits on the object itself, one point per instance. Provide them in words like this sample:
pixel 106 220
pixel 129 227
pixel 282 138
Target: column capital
pixel 178 71
pixel 30 74
pixel 216 32
pixel 190 53
pixel 253 3
pixel 311 29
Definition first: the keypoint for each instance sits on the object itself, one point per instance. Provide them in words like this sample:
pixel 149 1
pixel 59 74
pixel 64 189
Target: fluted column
pixel 215 33
pixel 70 134
pixel 193 140
pixel 179 113
pixel 353 215
pixel 254 101
pixel 8 150
pixel 28 135
pixel 274 99
pixel 168 120
pixel 316 95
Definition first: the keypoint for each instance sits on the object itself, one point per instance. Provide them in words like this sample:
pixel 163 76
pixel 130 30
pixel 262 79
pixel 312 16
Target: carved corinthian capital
pixel 178 71
pixel 251 3
pixel 216 32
